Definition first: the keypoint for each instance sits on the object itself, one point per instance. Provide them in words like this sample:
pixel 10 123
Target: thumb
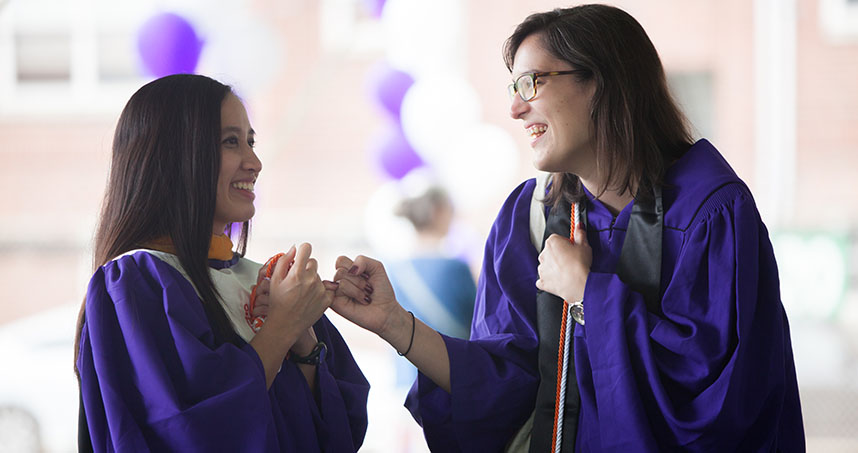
pixel 580 234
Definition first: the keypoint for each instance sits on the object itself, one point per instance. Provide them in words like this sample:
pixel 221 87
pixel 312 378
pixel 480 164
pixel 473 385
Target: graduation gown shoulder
pixel 152 378
pixel 714 371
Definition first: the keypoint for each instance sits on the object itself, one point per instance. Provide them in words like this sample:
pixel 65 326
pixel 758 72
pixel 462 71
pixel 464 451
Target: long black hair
pixel 639 129
pixel 163 183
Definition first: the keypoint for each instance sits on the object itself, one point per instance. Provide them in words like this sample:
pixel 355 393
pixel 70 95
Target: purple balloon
pixel 168 45
pixel 374 7
pixel 393 153
pixel 388 86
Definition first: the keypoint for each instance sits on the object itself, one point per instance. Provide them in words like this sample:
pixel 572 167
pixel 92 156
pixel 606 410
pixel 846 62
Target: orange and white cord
pixel 256 322
pixel 563 353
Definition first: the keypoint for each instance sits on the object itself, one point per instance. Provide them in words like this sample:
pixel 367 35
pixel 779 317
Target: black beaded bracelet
pixel 411 342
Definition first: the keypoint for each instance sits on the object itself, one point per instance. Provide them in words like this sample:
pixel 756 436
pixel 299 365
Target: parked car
pixel 38 388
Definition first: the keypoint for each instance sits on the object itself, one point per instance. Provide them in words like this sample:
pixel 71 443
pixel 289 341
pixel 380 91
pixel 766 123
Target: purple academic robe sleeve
pixel 494 375
pixel 715 371
pixel 153 380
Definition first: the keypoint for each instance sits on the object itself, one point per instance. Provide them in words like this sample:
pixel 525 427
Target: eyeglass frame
pixel 513 87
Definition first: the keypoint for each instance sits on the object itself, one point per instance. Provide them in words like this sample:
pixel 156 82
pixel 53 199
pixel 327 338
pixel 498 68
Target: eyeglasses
pixel 525 84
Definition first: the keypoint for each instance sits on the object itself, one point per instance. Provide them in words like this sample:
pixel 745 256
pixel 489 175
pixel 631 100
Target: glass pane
pixel 43 56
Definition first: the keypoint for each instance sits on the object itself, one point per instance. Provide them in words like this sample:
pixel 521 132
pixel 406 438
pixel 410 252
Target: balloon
pixel 394 154
pixel 435 109
pixel 413 39
pixel 388 86
pixel 480 164
pixel 388 235
pixel 249 57
pixel 168 45
pixel 373 7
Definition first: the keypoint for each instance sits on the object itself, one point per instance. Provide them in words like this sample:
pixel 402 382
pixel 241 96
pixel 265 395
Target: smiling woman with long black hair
pixel 170 356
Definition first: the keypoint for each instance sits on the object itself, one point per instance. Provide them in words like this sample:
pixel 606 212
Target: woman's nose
pixel 518 107
pixel 253 163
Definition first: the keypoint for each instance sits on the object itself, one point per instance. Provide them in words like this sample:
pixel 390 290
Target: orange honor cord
pixel 563 355
pixel 257 321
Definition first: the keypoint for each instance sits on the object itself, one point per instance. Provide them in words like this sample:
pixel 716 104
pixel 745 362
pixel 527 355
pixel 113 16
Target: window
pixel 839 20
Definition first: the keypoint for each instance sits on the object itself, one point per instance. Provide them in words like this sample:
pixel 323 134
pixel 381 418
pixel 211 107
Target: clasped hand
pixel 564 266
pixel 295 297
pixel 365 296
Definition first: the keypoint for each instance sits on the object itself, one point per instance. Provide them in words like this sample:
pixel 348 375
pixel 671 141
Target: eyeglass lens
pixel 523 86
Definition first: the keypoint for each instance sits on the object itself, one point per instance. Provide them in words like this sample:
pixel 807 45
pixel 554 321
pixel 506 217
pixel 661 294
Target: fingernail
pixel 353 270
pixel 365 276
pixel 367 299
pixel 367 289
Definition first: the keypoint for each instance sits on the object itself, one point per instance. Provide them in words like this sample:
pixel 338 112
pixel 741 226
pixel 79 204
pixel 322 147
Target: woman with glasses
pixel 641 312
pixel 172 350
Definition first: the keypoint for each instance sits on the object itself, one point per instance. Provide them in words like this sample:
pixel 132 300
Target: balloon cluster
pixel 433 113
pixel 433 119
pixel 173 43
pixel 390 147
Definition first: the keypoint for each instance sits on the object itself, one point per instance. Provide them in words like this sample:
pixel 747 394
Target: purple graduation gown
pixel 153 380
pixel 714 372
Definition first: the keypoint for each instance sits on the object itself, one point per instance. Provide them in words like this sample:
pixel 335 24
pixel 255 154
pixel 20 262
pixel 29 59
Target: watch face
pixel 577 312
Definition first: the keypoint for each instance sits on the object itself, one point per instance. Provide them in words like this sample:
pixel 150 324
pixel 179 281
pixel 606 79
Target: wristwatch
pixel 314 357
pixel 576 309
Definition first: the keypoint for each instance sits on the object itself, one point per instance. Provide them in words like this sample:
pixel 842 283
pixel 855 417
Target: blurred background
pixel 360 104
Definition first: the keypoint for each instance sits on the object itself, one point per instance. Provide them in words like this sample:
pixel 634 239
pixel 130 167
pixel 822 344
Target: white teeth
pixel 243 185
pixel 537 130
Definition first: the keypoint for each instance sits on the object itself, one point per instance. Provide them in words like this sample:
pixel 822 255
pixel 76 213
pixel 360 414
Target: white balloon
pixel 483 161
pixel 421 35
pixel 436 108
pixel 390 236
pixel 240 50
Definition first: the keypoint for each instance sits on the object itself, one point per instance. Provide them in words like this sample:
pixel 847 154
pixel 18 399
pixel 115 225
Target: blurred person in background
pixel 438 288
pixel 651 276
pixel 166 355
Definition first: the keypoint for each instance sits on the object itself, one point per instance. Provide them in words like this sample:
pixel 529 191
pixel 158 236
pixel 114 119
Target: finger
pixel 302 255
pixel 261 274
pixel 312 266
pixel 555 240
pixel 329 298
pixel 580 234
pixel 366 264
pixel 358 281
pixel 284 263
pixel 343 261
pixel 343 274
pixel 354 290
pixel 342 306
pixel 264 288
pixel 330 286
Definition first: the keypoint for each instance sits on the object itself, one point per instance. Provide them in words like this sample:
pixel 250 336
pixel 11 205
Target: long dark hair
pixel 163 183
pixel 639 129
